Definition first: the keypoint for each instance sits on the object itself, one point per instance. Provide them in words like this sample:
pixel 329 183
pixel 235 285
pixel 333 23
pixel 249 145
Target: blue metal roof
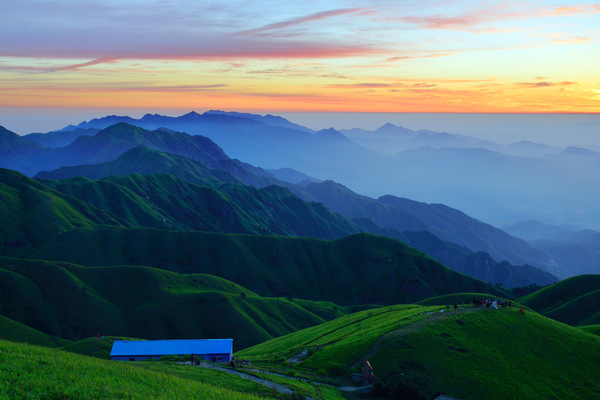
pixel 168 347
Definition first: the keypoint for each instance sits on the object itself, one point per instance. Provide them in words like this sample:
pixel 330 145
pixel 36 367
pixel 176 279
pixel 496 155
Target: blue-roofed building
pixel 140 350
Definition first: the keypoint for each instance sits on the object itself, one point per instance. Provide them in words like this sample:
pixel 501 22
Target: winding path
pixel 273 385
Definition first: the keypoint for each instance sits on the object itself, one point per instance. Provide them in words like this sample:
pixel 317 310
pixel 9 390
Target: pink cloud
pixel 399 58
pixel 309 18
pixel 219 49
pixel 471 19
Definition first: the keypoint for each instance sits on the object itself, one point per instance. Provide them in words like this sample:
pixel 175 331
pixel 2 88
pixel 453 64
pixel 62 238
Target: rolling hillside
pixel 574 301
pixel 32 214
pixel 61 300
pixel 166 202
pixel 466 353
pixel 371 269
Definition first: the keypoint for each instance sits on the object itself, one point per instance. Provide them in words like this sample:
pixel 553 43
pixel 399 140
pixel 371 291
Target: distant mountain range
pixel 251 130
pixel 143 160
pixel 495 183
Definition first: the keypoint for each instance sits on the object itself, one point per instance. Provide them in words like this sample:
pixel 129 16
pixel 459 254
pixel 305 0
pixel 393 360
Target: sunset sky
pixel 61 57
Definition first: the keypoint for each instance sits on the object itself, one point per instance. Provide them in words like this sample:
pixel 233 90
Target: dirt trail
pixel 273 385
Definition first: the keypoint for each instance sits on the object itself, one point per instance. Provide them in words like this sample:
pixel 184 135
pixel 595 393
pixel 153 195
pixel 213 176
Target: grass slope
pixel 573 301
pixel 166 202
pixel 28 371
pixel 17 332
pixel 466 353
pixel 594 329
pixel 371 269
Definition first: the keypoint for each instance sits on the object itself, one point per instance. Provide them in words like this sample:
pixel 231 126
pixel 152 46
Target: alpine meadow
pixel 299 200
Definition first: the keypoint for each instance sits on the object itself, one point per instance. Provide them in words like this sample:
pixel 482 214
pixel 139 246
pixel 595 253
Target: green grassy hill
pixel 75 302
pixel 370 269
pixel 574 301
pixel 31 214
pixel 466 353
pixel 99 347
pixel 594 329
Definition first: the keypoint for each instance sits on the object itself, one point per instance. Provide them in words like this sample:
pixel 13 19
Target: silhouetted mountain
pixel 267 119
pixel 479 265
pixel 18 153
pixel 577 155
pixel 572 258
pixel 526 148
pixel 495 187
pixel 455 226
pixel 535 230
pixel 293 176
pixel 586 237
pixel 60 138
pixel 109 144
pixel 145 161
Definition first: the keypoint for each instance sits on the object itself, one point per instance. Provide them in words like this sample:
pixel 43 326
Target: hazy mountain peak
pixel 579 151
pixel 191 115
pixel 268 119
pixel 391 129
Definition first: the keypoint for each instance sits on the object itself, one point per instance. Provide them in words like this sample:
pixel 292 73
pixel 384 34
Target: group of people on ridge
pixel 494 304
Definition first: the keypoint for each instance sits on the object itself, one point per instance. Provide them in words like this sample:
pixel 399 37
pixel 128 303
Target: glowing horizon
pixel 363 56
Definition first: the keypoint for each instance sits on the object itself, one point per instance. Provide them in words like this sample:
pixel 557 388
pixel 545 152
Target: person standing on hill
pixel 510 304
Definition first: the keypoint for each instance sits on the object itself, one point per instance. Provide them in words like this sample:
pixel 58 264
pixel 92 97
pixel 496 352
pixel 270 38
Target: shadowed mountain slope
pixel 59 138
pixel 145 161
pixel 455 226
pixel 32 214
pixel 572 258
pixel 18 153
pixel 166 202
pixel 75 302
pixel 371 269
pixel 447 223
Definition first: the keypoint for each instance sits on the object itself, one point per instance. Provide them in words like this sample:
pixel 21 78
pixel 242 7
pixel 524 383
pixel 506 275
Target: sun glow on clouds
pixel 414 56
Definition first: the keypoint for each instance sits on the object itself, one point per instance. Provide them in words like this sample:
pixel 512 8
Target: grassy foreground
pixel 31 372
